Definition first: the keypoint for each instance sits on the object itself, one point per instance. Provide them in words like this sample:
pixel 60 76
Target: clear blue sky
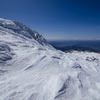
pixel 56 19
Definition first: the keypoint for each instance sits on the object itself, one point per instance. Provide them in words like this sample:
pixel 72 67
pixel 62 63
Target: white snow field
pixel 31 69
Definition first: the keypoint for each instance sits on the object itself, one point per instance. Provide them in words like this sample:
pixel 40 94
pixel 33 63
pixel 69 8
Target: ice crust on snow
pixel 31 69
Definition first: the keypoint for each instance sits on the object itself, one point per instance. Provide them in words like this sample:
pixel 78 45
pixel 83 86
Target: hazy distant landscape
pixel 79 45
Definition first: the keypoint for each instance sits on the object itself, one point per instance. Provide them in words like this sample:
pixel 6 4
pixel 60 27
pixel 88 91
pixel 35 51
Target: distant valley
pixel 77 45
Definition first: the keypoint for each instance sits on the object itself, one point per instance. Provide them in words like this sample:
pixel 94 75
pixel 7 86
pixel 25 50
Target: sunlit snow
pixel 31 69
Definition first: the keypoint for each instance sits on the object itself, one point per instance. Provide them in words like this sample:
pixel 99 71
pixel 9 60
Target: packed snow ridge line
pixel 22 29
pixel 31 69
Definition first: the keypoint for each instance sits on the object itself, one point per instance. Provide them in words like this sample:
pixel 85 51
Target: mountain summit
pixel 31 69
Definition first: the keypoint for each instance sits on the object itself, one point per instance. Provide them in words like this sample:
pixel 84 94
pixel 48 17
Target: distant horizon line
pixel 57 39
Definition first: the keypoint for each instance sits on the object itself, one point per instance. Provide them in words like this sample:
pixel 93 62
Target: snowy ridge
pixel 8 22
pixel 21 29
pixel 31 70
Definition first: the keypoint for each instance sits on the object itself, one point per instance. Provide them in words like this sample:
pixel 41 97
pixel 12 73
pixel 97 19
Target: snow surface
pixel 6 21
pixel 31 70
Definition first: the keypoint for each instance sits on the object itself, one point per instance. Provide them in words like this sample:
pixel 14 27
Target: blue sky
pixel 56 19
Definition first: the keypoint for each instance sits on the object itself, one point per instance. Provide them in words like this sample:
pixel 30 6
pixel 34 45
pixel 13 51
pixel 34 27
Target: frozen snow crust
pixel 31 69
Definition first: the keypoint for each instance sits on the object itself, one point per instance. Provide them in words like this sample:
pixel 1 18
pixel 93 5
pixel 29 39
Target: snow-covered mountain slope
pixel 21 29
pixel 31 69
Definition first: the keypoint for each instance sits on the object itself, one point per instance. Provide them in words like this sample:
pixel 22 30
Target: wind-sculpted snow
pixel 5 53
pixel 21 29
pixel 30 70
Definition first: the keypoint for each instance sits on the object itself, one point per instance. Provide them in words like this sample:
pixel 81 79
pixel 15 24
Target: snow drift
pixel 31 69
